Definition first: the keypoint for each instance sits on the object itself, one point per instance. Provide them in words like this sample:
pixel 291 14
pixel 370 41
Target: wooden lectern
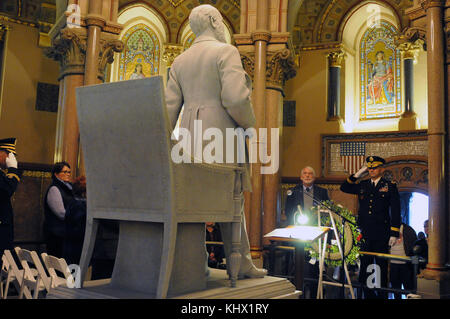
pixel 298 235
pixel 161 206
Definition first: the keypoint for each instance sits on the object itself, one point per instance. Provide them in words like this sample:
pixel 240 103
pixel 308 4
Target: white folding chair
pixel 10 273
pixel 36 283
pixel 54 265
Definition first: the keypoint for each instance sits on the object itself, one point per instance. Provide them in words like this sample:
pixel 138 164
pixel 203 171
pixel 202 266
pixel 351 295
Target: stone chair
pixel 161 206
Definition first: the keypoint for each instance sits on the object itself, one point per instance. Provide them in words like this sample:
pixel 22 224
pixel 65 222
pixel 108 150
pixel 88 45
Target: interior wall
pixel 302 143
pixel 420 97
pixel 25 65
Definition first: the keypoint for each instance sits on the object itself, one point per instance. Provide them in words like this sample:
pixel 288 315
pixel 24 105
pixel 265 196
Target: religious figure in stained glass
pixel 380 90
pixel 141 55
pixel 380 80
pixel 137 74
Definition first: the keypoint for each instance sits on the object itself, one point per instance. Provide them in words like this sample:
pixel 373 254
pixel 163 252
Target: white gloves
pixel 360 172
pixel 11 161
pixel 392 241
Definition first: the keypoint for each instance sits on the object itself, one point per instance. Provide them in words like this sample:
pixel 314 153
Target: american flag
pixel 352 155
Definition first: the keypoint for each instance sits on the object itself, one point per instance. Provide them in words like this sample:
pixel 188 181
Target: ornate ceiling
pixel 38 13
pixel 318 21
pixel 176 12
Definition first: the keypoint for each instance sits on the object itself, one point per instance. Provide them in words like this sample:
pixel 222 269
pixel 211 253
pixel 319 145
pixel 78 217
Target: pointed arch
pixel 143 35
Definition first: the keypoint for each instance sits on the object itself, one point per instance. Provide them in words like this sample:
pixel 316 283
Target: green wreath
pixel 352 236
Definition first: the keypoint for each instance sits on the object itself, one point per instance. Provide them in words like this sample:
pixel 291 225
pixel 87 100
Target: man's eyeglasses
pixel 66 172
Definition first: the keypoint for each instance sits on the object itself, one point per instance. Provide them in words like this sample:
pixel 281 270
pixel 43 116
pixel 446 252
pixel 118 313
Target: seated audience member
pixel 215 252
pixel 75 222
pixel 402 272
pixel 58 196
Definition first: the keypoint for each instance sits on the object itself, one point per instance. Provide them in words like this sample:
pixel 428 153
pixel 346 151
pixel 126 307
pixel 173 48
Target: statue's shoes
pixel 253 273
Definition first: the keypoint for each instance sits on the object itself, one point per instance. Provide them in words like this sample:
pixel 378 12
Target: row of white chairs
pixel 32 279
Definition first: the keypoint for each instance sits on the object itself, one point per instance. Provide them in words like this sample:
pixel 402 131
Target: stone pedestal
pixel 408 122
pixel 433 289
pixel 217 288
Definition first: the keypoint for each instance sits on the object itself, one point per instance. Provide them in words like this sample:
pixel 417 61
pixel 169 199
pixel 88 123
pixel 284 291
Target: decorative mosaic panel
pixel 141 55
pixel 380 76
pixel 187 44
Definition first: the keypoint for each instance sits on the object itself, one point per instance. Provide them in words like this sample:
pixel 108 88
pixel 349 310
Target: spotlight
pixel 299 217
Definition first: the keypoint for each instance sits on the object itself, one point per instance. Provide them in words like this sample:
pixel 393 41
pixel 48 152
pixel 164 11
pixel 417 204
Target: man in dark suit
pixel 9 179
pixel 378 219
pixel 305 194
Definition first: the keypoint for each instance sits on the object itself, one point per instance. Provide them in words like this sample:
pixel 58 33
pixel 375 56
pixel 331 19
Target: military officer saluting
pixel 378 217
pixel 9 178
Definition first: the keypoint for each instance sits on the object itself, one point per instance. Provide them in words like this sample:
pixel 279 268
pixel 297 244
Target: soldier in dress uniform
pixel 9 179
pixel 378 218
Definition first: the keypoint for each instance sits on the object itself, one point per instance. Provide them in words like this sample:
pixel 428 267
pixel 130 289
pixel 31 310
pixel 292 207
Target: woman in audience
pixel 58 196
pixel 75 222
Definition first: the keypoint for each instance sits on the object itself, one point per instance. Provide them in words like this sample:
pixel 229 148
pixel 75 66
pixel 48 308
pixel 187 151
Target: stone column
pixel 335 62
pixel 94 22
pixel 83 41
pixel 438 212
pixel 447 153
pixel 260 39
pixel 69 48
pixel 410 50
pixel 262 43
pixel 280 67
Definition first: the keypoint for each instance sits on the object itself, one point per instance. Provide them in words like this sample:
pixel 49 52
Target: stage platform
pixel 218 287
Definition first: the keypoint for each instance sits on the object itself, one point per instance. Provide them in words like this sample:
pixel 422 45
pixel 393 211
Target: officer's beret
pixel 374 161
pixel 9 145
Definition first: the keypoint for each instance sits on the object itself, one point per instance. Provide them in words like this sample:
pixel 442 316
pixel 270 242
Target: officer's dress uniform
pixel 378 219
pixel 9 179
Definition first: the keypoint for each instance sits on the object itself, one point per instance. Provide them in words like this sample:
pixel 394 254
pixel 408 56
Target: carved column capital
pixel 171 51
pixel 69 49
pixel 248 62
pixel 411 39
pixel 95 20
pixel 426 4
pixel 106 54
pixel 336 58
pixel 260 35
pixel 409 46
pixel 280 68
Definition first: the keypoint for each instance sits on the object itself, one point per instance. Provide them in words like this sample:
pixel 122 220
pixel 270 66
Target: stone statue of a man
pixel 210 81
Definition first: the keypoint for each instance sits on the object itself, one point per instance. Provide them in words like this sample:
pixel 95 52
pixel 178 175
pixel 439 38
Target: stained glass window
pixel 380 76
pixel 141 55
pixel 189 41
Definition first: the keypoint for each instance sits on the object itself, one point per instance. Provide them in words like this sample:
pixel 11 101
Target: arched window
pixel 380 75
pixel 141 55
pixel 143 35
